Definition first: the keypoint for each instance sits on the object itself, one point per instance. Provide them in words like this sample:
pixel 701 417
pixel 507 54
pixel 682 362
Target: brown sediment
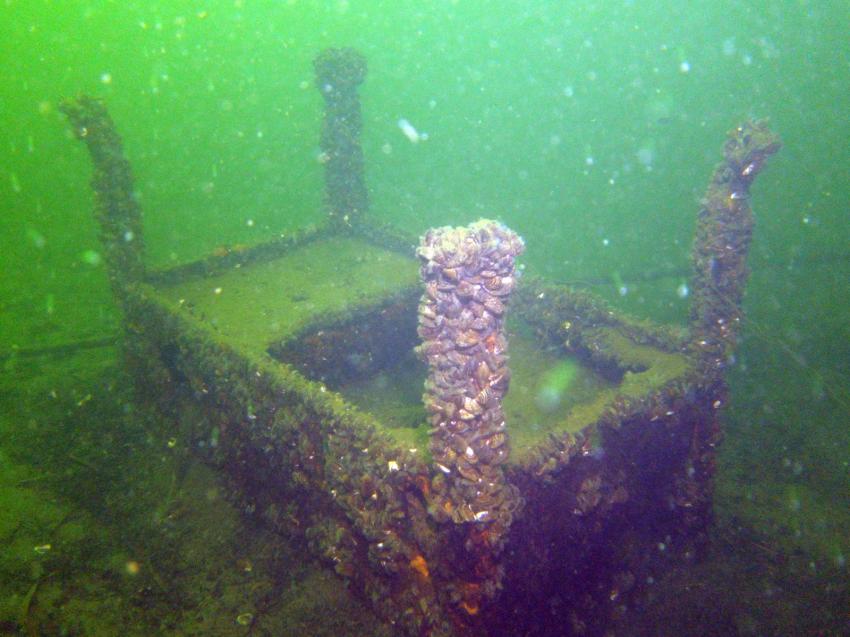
pixel 338 74
pixel 722 242
pixel 116 208
pixel 469 274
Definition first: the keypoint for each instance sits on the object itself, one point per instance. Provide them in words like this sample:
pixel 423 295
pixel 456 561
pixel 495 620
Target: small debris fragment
pixel 245 619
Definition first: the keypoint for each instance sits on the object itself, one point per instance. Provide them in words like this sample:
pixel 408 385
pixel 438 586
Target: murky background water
pixel 590 128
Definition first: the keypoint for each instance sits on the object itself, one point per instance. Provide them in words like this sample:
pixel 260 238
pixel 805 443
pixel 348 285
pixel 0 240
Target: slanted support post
pixel 116 207
pixel 722 243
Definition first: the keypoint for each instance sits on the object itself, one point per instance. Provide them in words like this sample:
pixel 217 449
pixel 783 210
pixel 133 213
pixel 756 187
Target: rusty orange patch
pixel 419 565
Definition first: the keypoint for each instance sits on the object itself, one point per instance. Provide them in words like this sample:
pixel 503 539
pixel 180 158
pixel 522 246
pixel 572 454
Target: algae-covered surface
pixel 589 132
pixel 110 526
pixel 645 368
pixel 258 303
pixel 549 393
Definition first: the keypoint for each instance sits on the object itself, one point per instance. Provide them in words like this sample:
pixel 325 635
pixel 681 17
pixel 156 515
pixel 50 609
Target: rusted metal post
pixel 338 74
pixel 115 205
pixel 722 242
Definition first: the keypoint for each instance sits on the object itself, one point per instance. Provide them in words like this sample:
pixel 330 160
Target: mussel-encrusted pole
pixel 469 274
pixel 722 242
pixel 116 209
pixel 338 74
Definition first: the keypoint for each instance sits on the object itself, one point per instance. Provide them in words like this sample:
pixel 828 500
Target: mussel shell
pixel 468 338
pixel 494 306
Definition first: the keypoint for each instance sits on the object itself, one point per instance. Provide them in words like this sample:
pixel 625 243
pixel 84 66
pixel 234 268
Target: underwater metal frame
pixel 612 494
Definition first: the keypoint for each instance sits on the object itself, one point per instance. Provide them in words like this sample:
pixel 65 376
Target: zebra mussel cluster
pixel 468 273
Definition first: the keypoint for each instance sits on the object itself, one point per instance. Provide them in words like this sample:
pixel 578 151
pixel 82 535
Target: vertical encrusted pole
pixel 722 242
pixel 116 209
pixel 338 74
pixel 469 274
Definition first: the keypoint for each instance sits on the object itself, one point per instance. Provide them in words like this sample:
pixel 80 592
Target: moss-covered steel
pixel 338 74
pixel 116 208
pixel 722 241
pixel 303 457
pixel 240 353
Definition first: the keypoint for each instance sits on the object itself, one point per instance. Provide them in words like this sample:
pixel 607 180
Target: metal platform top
pixel 296 307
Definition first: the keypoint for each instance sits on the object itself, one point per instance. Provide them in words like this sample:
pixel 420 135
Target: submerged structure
pixel 311 403
pixel 469 273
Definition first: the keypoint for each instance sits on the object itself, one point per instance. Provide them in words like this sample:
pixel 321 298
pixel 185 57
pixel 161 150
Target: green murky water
pixel 590 128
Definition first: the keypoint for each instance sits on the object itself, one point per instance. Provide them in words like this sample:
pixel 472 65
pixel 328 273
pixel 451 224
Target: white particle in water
pixel 409 131
pixel 645 156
